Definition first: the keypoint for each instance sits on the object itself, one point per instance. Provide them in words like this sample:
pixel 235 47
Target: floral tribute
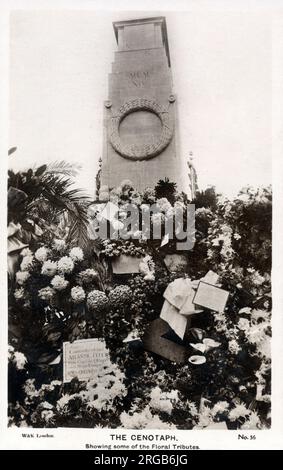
pixel 61 292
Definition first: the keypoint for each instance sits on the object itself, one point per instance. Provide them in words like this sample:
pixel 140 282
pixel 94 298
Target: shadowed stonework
pixel 140 125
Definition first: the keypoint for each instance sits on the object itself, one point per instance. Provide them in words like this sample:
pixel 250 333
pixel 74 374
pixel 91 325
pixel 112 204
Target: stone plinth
pixel 140 125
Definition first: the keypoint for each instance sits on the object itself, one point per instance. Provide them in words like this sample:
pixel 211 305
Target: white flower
pixel 220 407
pixel 237 236
pixel 26 252
pixel 243 324
pixel 19 293
pixel 163 401
pixel 47 415
pixel 63 402
pixel 240 411
pixel 253 421
pixel 88 275
pixel 234 347
pixel 244 197
pixel 76 254
pixel 27 263
pixel 163 204
pixel 22 277
pixel 245 310
pixel 77 294
pixel 59 245
pixel 46 293
pixel 20 360
pixel 46 405
pixel 41 254
pixel 65 265
pixel 49 268
pixel 59 283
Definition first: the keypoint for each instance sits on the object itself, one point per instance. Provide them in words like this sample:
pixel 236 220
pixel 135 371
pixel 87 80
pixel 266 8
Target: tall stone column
pixel 140 124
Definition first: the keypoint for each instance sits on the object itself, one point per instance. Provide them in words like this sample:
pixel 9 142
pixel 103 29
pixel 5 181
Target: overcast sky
pixel 221 65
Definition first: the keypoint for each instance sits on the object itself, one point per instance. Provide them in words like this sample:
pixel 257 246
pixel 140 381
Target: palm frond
pixel 63 168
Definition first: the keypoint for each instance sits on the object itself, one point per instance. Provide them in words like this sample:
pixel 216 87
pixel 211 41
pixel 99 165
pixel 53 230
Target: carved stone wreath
pixel 141 151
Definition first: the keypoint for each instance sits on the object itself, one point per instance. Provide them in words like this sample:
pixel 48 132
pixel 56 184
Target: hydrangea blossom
pixel 46 293
pixel 65 265
pixel 97 300
pixel 22 277
pixel 49 268
pixel 41 254
pixel 59 283
pixel 76 254
pixel 77 294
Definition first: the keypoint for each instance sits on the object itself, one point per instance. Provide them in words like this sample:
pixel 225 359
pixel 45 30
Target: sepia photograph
pixel 139 214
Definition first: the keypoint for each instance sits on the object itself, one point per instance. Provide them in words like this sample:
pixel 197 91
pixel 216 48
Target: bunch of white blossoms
pixel 46 293
pixel 77 294
pixel 41 254
pixel 27 263
pixel 76 254
pixel 18 358
pixel 59 283
pixel 65 265
pixel 49 268
pixel 22 277
pixel 58 244
pixel 163 401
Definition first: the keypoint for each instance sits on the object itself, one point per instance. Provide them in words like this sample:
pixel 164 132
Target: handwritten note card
pixel 83 359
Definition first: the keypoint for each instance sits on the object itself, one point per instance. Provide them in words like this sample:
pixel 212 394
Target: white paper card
pixel 171 315
pixel 165 239
pixel 211 297
pixel 83 359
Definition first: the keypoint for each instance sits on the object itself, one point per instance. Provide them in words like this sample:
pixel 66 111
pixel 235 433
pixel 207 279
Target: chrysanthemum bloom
pixel 22 277
pixel 59 283
pixel 77 294
pixel 19 293
pixel 76 254
pixel 65 265
pixel 58 244
pixel 27 263
pixel 41 254
pixel 97 300
pixel 46 293
pixel 49 268
pixel 20 360
pixel 87 276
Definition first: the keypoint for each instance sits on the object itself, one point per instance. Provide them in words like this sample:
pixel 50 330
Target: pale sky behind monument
pixel 221 65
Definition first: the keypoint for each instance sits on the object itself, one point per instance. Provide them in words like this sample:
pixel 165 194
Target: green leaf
pixel 40 170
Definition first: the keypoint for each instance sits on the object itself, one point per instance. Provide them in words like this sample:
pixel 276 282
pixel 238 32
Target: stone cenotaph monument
pixel 140 124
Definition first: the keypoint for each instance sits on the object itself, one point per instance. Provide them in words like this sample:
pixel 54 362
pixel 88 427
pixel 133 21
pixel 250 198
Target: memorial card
pixel 83 359
pixel 211 297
